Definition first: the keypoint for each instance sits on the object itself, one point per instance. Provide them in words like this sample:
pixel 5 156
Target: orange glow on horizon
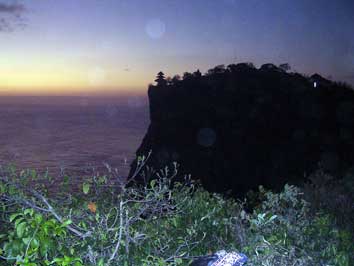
pixel 58 80
pixel 47 74
pixel 69 91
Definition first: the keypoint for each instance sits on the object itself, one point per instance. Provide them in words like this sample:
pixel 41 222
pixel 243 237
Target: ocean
pixel 72 135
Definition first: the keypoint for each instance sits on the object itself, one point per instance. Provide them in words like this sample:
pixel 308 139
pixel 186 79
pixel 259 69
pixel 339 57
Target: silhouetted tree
pixel 240 67
pixel 176 79
pixel 187 75
pixel 268 66
pixel 286 67
pixel 250 64
pixel 169 81
pixel 220 69
pixel 160 79
pixel 197 74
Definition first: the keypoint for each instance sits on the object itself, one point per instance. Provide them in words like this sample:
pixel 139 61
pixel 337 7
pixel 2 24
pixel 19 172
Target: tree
pixel 169 80
pixel 176 79
pixel 160 79
pixel 187 76
pixel 271 67
pixel 220 69
pixel 286 67
pixel 197 74
pixel 246 66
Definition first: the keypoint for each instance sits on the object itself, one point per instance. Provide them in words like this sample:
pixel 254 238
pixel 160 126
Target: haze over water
pixel 71 133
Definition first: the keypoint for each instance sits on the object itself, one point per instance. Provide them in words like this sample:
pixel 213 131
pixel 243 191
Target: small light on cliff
pixel 315 84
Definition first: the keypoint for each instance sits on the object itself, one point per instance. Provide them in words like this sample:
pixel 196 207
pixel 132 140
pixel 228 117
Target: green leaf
pixel 14 216
pixel 19 220
pixel 178 261
pixel 38 218
pixel 101 262
pixel 66 179
pixel 26 240
pixel 28 211
pixel 174 222
pixel 86 188
pixel 2 188
pixel 66 223
pixel 33 174
pixel 153 183
pixel 20 229
pixel 56 260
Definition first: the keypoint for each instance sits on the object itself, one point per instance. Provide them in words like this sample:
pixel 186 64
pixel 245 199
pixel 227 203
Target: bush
pixel 333 195
pixel 159 223
pixel 284 231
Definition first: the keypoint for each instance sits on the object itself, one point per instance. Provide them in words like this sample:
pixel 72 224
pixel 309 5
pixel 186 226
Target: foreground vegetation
pixel 163 224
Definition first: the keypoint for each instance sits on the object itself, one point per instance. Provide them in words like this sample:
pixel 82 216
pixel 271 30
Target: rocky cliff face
pixel 240 127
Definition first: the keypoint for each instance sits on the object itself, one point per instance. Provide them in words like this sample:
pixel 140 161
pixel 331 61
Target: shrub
pixel 333 195
pixel 284 231
pixel 159 223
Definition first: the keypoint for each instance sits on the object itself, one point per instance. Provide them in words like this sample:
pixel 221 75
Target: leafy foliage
pixel 335 196
pixel 283 231
pixel 161 223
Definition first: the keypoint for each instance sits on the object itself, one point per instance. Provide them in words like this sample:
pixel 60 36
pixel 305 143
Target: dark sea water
pixel 74 134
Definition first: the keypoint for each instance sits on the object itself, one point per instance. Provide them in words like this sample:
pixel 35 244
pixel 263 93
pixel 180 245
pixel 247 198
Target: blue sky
pixel 96 45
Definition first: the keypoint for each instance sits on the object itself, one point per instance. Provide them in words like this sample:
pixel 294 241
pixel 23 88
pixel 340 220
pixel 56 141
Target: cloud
pixel 11 16
pixel 12 8
pixel 4 24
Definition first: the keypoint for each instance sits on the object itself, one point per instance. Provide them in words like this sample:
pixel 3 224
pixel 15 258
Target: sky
pixel 69 47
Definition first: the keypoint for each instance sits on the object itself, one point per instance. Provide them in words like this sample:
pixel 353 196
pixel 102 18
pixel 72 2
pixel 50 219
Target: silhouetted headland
pixel 239 127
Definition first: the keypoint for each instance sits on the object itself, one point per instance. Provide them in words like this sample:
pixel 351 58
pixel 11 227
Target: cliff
pixel 239 127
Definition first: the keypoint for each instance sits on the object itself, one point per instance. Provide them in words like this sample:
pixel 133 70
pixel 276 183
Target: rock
pixel 239 127
pixel 221 258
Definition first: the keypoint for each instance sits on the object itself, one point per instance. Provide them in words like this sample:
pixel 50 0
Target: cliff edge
pixel 239 127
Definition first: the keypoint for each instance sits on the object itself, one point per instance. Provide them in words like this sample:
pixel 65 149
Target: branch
pixel 49 209
pixel 57 216
pixel 139 167
pixel 120 233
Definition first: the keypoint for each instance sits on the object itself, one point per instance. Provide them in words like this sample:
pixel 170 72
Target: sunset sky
pixel 96 46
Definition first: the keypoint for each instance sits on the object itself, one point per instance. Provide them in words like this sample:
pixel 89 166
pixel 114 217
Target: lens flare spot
pixel 206 137
pixel 155 28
